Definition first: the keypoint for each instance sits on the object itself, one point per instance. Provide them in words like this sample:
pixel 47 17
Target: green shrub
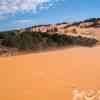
pixel 28 40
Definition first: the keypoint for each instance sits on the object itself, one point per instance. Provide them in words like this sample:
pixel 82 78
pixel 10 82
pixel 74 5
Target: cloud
pixel 2 18
pixel 13 6
pixel 24 21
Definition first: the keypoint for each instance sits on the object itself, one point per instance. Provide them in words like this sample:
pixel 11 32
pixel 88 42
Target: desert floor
pixel 49 75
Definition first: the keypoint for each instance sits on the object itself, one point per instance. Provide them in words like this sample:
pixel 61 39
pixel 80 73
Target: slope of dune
pixel 51 75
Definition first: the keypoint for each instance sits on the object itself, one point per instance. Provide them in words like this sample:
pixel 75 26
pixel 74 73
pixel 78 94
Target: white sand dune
pixel 50 75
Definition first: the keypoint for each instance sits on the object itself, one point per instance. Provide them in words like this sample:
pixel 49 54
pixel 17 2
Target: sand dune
pixel 50 75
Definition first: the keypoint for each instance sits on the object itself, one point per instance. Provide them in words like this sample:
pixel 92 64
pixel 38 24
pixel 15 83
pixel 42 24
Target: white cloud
pixel 24 21
pixel 13 6
pixel 2 18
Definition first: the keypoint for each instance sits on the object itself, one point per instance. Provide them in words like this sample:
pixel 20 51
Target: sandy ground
pixel 50 75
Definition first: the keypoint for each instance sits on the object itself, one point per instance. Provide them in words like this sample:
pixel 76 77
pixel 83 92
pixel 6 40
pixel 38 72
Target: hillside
pixel 86 28
pixel 46 37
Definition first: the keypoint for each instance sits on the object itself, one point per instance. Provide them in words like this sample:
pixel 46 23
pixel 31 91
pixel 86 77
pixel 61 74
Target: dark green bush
pixel 28 40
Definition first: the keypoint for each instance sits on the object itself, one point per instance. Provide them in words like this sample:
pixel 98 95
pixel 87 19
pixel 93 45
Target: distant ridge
pixel 50 36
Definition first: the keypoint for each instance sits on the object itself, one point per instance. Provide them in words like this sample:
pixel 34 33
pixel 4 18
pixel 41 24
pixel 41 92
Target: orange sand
pixel 50 75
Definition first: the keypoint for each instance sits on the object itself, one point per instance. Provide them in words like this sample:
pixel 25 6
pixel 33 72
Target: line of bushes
pixel 35 41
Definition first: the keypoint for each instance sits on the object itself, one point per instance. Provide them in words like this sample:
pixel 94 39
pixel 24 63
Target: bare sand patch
pixel 50 75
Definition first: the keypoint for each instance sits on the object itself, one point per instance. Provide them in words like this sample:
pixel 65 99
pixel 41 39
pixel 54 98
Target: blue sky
pixel 24 13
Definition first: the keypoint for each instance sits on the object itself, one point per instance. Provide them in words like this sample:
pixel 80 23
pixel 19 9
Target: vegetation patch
pixel 34 41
